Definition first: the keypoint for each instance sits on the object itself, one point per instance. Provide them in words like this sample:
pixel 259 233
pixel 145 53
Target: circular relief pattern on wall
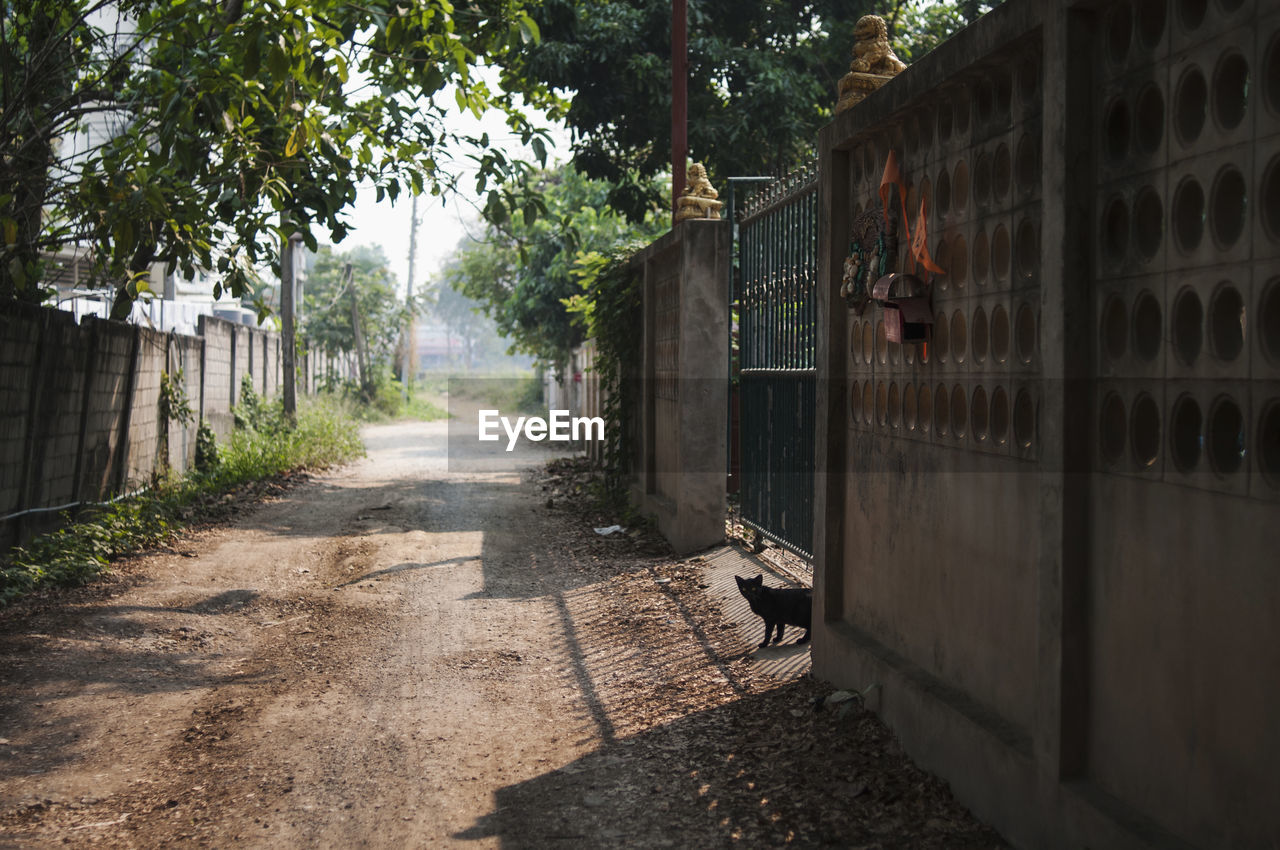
pixel 1150 17
pixel 1188 319
pixel 959 412
pixel 1271 198
pixel 1191 13
pixel 1148 222
pixel 1001 172
pixel 1116 130
pixel 959 260
pixel 1144 431
pixel 1000 254
pixel 895 406
pixel 999 333
pixel 999 416
pixel 960 186
pixel 1226 322
pixel 924 395
pixel 909 407
pixel 982 180
pixel 981 257
pixel 1190 99
pixel 1028 253
pixel 1227 207
pixel 868 402
pixel 959 337
pixel 1226 438
pixel 882 402
pixel 1186 434
pixel 1268 320
pixel 1025 334
pixel 855 402
pixel 1119 32
pixel 1115 328
pixel 941 411
pixel 1027 165
pixel 978 414
pixel 1269 442
pixel 942 192
pixel 1230 90
pixel 1150 118
pixel 941 331
pixel 1111 428
pixel 1271 74
pixel 981 337
pixel 1024 419
pixel 1115 230
pixel 1188 214
pixel 1147 326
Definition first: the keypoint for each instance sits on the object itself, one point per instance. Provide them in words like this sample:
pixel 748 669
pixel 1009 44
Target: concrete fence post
pixel 122 445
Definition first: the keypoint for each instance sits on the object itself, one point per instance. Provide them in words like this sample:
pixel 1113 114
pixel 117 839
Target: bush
pixel 263 446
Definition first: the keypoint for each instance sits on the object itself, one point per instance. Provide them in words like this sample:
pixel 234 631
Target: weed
pixel 263 446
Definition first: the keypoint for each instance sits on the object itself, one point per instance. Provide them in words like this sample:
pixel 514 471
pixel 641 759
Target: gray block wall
pixel 684 394
pixel 1049 535
pixel 80 406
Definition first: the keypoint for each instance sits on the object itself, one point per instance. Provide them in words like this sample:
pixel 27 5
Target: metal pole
pixel 679 101
pixel 406 361
pixel 288 344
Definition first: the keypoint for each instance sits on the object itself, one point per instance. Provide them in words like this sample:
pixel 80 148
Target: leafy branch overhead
pixel 208 122
pixel 524 271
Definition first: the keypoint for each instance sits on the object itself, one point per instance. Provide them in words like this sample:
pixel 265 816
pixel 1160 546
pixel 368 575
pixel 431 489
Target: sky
pixel 441 224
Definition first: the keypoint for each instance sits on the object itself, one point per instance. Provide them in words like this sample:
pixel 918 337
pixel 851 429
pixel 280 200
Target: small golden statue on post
pixel 699 199
pixel 873 65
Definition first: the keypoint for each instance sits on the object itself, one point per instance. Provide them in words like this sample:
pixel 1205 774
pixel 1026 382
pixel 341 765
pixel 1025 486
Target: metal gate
pixel 777 263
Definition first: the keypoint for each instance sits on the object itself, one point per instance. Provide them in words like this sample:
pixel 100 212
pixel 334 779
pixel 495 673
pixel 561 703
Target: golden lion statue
pixel 874 62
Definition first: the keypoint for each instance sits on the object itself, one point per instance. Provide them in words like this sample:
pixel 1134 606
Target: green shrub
pixel 325 434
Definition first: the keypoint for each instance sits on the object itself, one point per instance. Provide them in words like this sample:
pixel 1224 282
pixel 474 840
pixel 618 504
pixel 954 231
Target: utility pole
pixel 679 101
pixel 357 328
pixel 288 344
pixel 406 360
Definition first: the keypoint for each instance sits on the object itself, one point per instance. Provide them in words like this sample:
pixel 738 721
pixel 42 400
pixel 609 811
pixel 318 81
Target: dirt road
pixel 403 655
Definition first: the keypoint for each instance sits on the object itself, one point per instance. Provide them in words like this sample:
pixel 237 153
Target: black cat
pixel 780 606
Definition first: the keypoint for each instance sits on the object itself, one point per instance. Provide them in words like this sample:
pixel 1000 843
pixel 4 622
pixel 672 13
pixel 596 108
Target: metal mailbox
pixel 908 315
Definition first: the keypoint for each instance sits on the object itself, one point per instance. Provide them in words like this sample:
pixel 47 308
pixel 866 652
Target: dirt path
pixel 403 655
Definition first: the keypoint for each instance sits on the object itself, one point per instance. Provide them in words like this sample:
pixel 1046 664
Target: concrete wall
pixel 684 394
pixel 1049 535
pixel 218 383
pixel 80 406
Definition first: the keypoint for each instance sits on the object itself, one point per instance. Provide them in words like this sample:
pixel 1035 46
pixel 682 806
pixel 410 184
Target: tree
pixel 329 320
pixel 762 80
pixel 925 24
pixel 465 318
pixel 524 271
pixel 227 117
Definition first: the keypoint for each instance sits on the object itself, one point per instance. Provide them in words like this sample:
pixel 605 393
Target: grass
pixel 507 393
pixel 262 446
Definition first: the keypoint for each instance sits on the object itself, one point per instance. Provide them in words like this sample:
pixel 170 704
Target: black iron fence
pixel 777 303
